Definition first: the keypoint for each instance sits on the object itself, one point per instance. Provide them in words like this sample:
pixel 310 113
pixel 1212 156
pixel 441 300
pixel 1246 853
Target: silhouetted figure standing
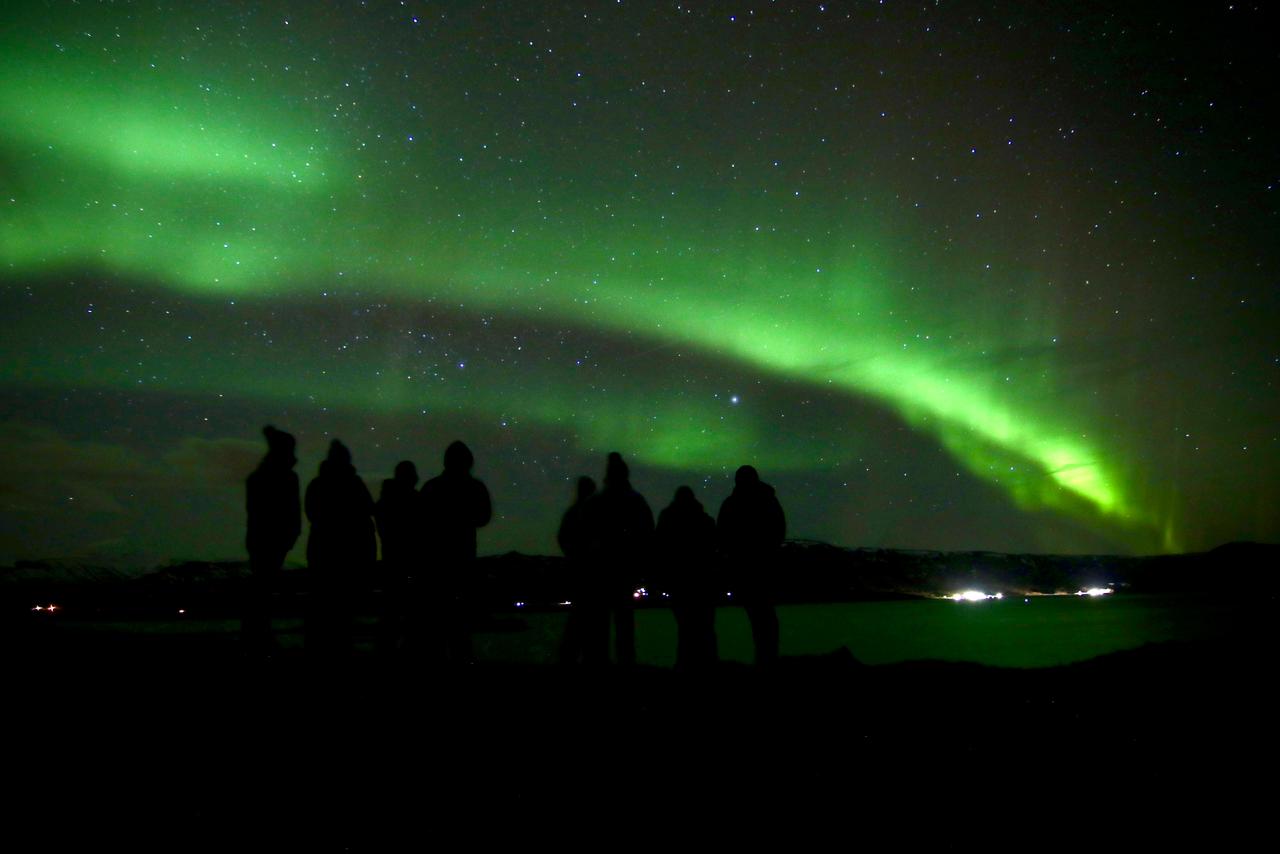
pixel 397 514
pixel 575 543
pixel 750 528
pixel 275 521
pixel 685 546
pixel 341 550
pixel 620 526
pixel 453 506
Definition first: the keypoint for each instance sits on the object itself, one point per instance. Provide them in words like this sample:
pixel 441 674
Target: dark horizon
pixel 296 561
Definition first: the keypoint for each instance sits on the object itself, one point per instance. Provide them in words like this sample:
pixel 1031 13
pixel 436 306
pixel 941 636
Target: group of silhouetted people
pixel 430 598
pixel 433 527
pixel 613 547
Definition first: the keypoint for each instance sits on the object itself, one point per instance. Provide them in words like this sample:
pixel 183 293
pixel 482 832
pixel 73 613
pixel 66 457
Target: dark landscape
pixel 191 733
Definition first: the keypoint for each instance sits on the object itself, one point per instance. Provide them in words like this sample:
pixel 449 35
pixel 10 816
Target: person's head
pixel 586 488
pixel 684 496
pixel 339 456
pixel 458 458
pixel 406 472
pixel 746 477
pixel 280 445
pixel 616 471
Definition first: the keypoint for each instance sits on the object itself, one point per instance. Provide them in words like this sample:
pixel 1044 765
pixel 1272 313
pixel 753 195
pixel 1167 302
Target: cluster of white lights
pixel 974 596
pixel 1095 591
pixel 48 609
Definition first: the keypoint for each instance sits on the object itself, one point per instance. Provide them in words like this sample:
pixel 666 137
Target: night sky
pixel 957 275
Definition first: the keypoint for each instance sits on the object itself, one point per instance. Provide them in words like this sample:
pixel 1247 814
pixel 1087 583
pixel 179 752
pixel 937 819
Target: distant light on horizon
pixel 974 596
pixel 1095 591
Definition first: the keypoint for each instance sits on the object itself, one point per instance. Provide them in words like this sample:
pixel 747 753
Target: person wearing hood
pixel 750 529
pixel 685 546
pixel 453 505
pixel 341 549
pixel 619 528
pixel 274 523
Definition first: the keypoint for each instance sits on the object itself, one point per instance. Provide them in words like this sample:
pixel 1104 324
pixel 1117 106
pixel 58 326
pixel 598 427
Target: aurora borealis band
pixel 949 275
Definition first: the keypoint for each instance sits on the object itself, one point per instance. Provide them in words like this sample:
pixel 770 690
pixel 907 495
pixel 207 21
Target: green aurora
pixel 219 175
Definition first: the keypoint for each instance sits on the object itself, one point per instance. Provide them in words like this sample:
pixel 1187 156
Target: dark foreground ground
pixel 190 747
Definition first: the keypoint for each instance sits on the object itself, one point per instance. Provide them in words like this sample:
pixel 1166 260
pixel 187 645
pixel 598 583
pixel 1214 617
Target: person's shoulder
pixel 477 494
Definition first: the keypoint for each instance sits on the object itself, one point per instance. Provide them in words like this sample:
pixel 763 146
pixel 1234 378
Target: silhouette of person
pixel 274 523
pixel 453 505
pixel 341 550
pixel 575 543
pixel 397 516
pixel 751 527
pixel 620 526
pixel 685 546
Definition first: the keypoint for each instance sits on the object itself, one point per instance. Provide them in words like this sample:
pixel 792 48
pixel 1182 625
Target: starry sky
pixel 950 275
